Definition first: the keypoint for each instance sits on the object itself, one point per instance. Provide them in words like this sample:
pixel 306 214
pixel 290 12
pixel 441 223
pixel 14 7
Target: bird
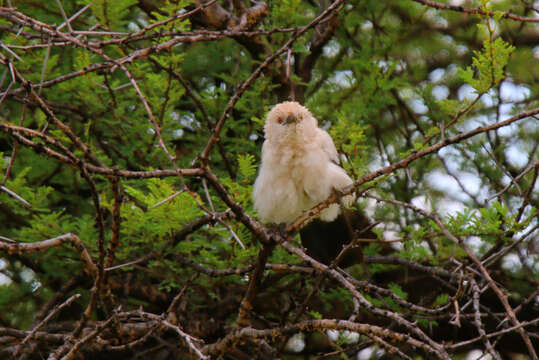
pixel 299 169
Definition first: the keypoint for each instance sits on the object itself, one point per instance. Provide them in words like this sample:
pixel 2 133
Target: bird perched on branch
pixel 300 169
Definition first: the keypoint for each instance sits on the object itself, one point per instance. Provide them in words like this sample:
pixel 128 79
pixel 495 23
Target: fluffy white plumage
pixel 299 167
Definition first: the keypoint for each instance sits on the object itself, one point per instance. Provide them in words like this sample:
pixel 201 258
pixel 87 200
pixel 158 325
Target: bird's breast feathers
pixel 294 177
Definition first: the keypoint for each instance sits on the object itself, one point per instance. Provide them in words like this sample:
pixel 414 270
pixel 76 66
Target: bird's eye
pixel 280 120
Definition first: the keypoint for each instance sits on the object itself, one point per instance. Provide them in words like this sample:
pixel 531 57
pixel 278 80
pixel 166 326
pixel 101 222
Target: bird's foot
pixel 346 201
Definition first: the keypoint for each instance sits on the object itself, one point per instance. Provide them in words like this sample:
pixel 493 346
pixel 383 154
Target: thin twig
pixel 51 314
pixel 459 8
pixel 32 247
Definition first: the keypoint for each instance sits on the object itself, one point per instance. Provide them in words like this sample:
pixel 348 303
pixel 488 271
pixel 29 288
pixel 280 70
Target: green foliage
pixel 426 323
pixel 111 13
pixel 13 293
pixel 398 291
pixel 170 8
pixel 490 223
pixel 384 85
pixel 247 167
pixel 158 222
pixel 349 136
pixel 448 107
pixel 281 256
pixel 315 315
pixel 336 295
pixel 442 299
pixel 489 64
pixel 240 191
pixel 287 12
pixel 29 198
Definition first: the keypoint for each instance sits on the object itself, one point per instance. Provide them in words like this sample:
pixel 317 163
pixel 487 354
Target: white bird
pixel 299 170
pixel 299 167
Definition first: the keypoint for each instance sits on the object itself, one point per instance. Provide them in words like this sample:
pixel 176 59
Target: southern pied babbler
pixel 300 169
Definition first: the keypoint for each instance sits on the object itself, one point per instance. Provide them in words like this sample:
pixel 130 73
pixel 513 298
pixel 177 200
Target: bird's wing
pixel 326 143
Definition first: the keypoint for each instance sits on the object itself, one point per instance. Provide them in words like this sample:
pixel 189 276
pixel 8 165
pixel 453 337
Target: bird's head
pixel 289 120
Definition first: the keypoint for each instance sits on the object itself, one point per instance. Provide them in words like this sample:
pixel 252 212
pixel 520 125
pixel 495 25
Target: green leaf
pixel 398 291
pixel 247 166
pixel 488 65
pixel 441 299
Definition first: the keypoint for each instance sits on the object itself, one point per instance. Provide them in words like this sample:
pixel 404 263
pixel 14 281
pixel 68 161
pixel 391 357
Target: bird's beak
pixel 291 119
